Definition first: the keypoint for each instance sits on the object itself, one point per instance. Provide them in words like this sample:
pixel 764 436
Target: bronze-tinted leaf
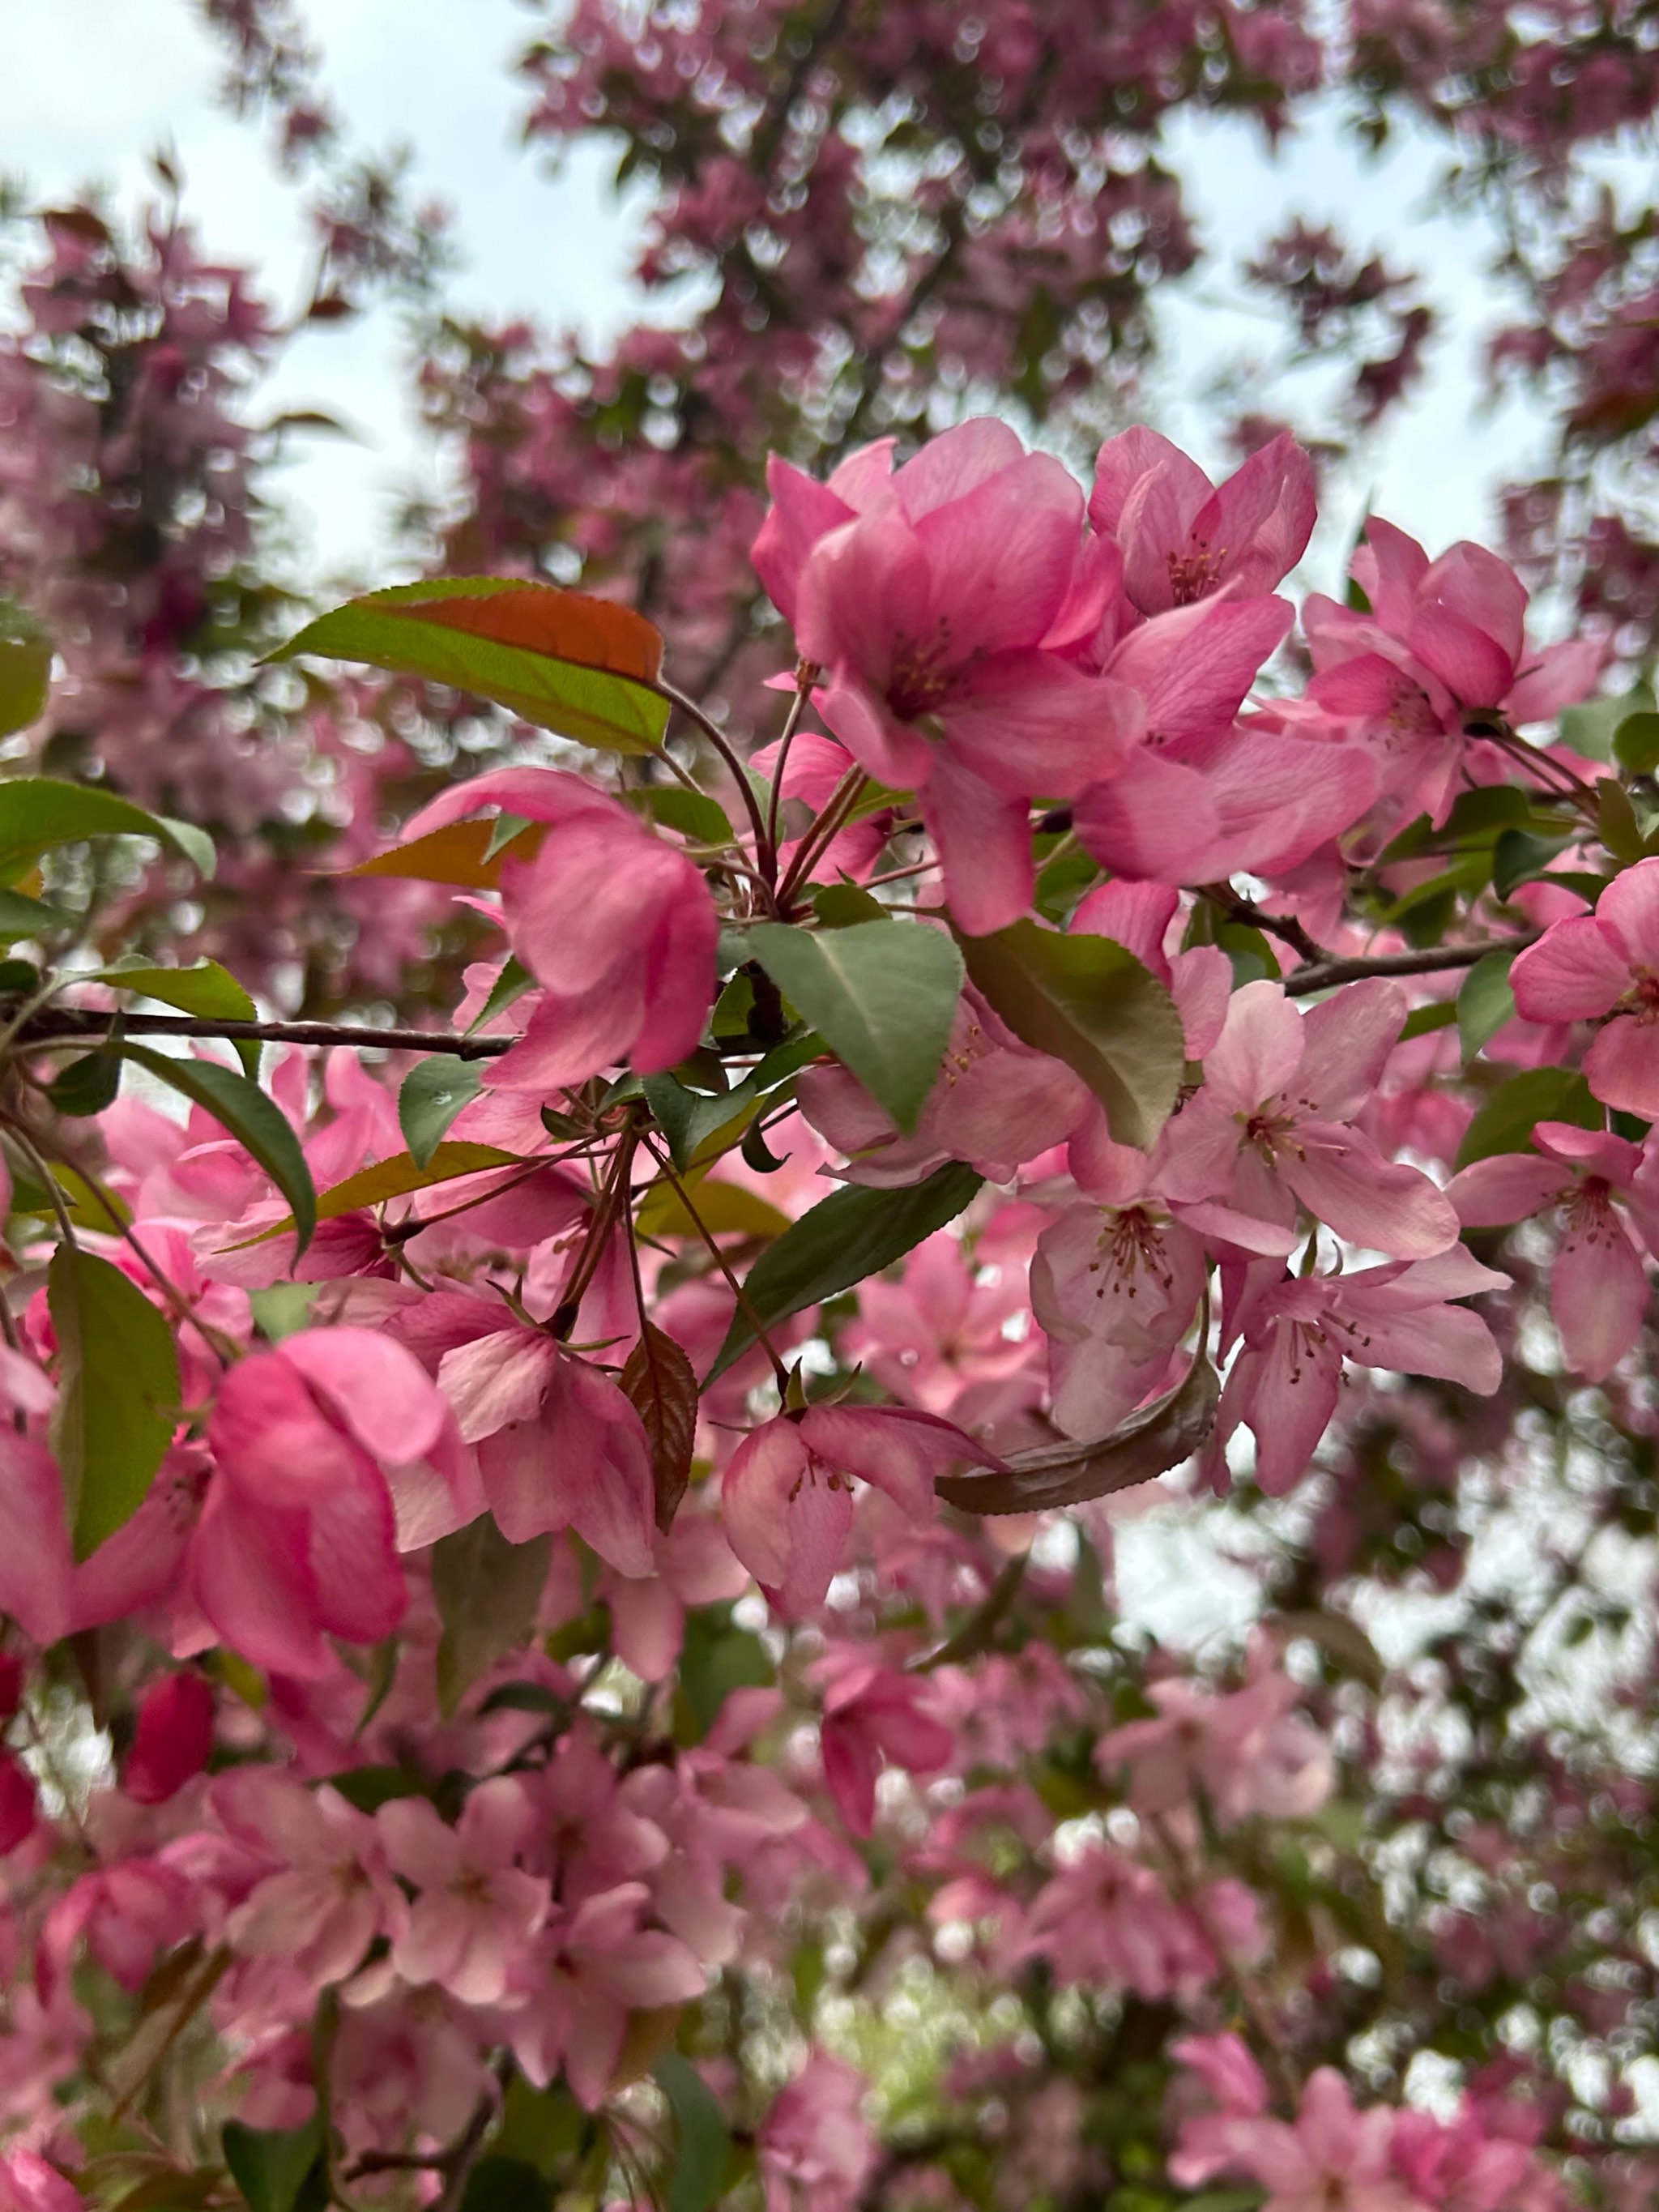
pixel 660 1384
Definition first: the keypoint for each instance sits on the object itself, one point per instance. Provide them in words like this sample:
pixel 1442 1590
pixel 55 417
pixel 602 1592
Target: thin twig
pixel 1432 960
pixel 780 1371
pixel 722 745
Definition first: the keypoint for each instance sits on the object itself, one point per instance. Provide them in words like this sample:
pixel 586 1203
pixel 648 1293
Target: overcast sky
pixel 94 85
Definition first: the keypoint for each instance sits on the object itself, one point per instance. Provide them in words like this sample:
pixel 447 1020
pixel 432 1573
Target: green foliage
pixel 434 1093
pixel 701 2138
pixel 117 1392
pixel 487 1591
pixel 256 1121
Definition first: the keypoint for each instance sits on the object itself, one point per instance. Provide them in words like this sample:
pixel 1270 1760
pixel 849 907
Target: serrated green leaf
pixel 882 995
pixel 1485 1001
pixel 842 905
pixel 846 1236
pixel 1090 1003
pixel 512 983
pixel 701 2138
pixel 206 989
pixel 1506 1121
pixel 257 1122
pixel 487 1592
pixel 561 660
pixel 117 1392
pixel 433 1094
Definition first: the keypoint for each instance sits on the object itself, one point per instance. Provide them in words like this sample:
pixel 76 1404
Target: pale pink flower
pixel 1605 966
pixel 331 1892
pixel 926 1338
pixel 559 1446
pixel 816 2151
pixel 1106 1919
pixel 573 1990
pixel 475 1909
pixel 1272 1126
pixel 1330 2159
pixel 29 2183
pixel 1284 1384
pixel 613 921
pixel 1598 1283
pixel 1246 1752
pixel 787 1495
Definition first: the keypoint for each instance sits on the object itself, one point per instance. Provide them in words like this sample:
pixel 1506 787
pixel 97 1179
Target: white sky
pixel 93 85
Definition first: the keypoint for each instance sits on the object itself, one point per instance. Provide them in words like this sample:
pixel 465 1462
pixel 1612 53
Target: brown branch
pixel 78 1025
pixel 1432 960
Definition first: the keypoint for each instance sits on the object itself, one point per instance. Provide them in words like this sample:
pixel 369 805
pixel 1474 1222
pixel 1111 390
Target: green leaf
pixel 567 662
pixel 396 1178
pixel 1520 857
pixel 506 2184
pixel 282 1309
pixel 701 2138
pixel 693 813
pixel 1616 822
pixel 512 983
pixel 24 668
pixel 29 917
pixel 545 2127
pixel 271 2166
pixel 257 1122
pixel 718 1658
pixel 1441 1014
pixel 724 1209
pixel 853 1233
pixel 1485 1001
pixel 487 1592
pixel 37 812
pixel 840 906
pixel 882 995
pixel 1506 1121
pixel 1088 1001
pixel 369 1788
pixel 700 1124
pixel 433 1094
pixel 1593 729
pixel 117 1392
pixel 86 1086
pixel 1636 747
pixel 206 989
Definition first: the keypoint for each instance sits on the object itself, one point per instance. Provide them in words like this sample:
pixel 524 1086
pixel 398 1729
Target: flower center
pixel 922 678
pixel 1195 573
pixel 1642 1000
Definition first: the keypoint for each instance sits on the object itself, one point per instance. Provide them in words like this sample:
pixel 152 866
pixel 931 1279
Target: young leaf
pixel 699 1124
pixel 459 853
pixel 487 1592
pixel 659 1381
pixel 206 989
pixel 1151 1442
pixel 567 661
pixel 1089 1002
pixel 853 1233
pixel 1485 1001
pixel 271 2166
pixel 433 1094
pixel 724 1209
pixel 511 984
pixel 117 1392
pixel 257 1122
pixel 396 1178
pixel 24 668
pixel 701 2138
pixel 693 813
pixel 882 995
pixel 37 812
pixel 21 916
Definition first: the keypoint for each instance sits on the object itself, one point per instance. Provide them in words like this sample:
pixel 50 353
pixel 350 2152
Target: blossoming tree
pixel 561 1638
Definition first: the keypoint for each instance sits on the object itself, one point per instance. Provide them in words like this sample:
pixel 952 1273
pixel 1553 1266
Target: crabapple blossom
pixel 1604 967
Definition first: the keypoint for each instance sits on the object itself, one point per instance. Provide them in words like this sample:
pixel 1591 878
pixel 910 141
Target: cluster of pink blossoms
pixel 541 1584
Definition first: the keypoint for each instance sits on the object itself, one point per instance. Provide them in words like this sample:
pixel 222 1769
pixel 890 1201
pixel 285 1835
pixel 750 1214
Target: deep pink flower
pixel 1285 1383
pixel 787 1496
pixel 475 1909
pixel 871 1716
pixel 613 921
pixel 1183 538
pixel 1271 1128
pixel 1598 1284
pixel 559 1445
pixel 173 1739
pixel 18 1809
pixel 29 2183
pixel 1605 964
pixel 936 610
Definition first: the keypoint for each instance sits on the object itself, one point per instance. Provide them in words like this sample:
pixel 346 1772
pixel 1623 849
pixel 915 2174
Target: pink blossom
pixel 934 610
pixel 29 2183
pixel 612 920
pixel 1285 1383
pixel 925 1339
pixel 18 1809
pixel 1181 537
pixel 474 1908
pixel 173 1739
pixel 1246 1752
pixel 872 1715
pixel 1106 1918
pixel 1605 964
pixel 817 2150
pixel 1330 2159
pixel 559 1445
pixel 1598 1283
pixel 787 1496
pixel 1272 1126
pixel 574 1989
pixel 331 1891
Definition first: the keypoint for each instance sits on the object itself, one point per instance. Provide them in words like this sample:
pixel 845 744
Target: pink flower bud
pixel 17 1806
pixel 175 1734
